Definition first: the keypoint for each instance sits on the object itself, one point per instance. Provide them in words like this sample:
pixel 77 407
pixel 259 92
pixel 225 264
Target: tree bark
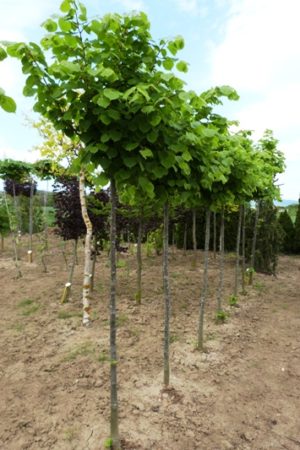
pixel 253 248
pixel 243 248
pixel 221 267
pixel 86 320
pixel 30 221
pixel 237 261
pixel 167 299
pixel 185 237
pixel 67 289
pixel 114 420
pixel 205 282
pixel 215 235
pixel 195 237
pixel 138 295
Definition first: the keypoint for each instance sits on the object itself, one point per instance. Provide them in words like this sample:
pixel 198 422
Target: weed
pixel 260 287
pixel 221 316
pixel 174 338
pixel 103 357
pixel 121 264
pixel 211 336
pixel 108 443
pixel 122 319
pixel 232 301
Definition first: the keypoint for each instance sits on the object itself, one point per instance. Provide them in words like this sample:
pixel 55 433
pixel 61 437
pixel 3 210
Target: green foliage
pixel 233 301
pixel 287 225
pixel 155 239
pixel 221 316
pixel 4 219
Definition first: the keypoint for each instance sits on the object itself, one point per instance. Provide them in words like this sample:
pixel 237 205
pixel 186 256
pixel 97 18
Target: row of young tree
pixel 120 116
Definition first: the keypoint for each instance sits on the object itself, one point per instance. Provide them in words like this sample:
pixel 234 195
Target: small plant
pixel 121 264
pixel 122 319
pixel 28 307
pixel 259 286
pixel 103 357
pixel 233 301
pixel 174 338
pixel 221 316
pixel 83 349
pixel 25 303
pixel 250 271
pixel 108 443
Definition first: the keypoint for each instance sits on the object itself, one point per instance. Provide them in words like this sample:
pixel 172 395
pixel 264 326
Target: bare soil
pixel 242 393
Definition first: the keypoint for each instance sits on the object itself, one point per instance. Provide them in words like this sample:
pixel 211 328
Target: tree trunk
pixel 194 237
pixel 167 298
pixel 243 249
pixel 253 248
pixel 67 289
pixel 138 294
pixel 185 237
pixel 45 217
pixel 215 235
pixel 237 261
pixel 114 420
pixel 13 231
pixel 30 222
pixel 221 270
pixel 205 282
pixel 86 320
pixel 2 243
pixel 94 260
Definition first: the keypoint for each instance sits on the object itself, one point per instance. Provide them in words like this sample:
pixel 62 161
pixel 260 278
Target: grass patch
pixel 68 314
pixel 28 307
pixel 82 349
pixel 103 357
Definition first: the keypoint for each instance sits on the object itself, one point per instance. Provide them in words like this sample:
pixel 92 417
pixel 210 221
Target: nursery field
pixel 242 393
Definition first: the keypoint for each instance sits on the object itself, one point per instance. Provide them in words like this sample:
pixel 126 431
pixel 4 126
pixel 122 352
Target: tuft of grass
pixel 233 301
pixel 70 434
pixel 103 357
pixel 174 338
pixel 25 303
pixel 260 287
pixel 121 264
pixel 221 316
pixel 68 314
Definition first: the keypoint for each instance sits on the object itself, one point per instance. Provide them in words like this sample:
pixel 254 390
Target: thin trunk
pixel 237 261
pixel 173 240
pixel 94 260
pixel 205 282
pixel 67 289
pixel 63 250
pixel 45 217
pixel 30 222
pixel 221 270
pixel 114 420
pixel 185 237
pixel 194 237
pixel 243 249
pixel 13 231
pixel 16 226
pixel 2 243
pixel 253 249
pixel 86 320
pixel 166 296
pixel 215 235
pixel 138 295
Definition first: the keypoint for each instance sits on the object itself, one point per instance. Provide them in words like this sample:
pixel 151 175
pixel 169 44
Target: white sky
pixel 252 45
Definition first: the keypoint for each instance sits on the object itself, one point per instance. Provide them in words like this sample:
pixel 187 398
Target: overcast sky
pixel 252 45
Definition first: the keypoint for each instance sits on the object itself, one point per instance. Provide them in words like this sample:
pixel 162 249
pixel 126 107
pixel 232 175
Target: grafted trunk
pixel 253 248
pixel 237 261
pixel 138 295
pixel 167 299
pixel 221 266
pixel 195 237
pixel 86 320
pixel 114 419
pixel 205 282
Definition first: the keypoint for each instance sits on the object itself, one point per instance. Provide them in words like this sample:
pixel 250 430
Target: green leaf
pixel 130 161
pixel 112 94
pixel 168 64
pixel 179 42
pixel 83 12
pixel 155 120
pixel 101 180
pixel 7 103
pixel 50 25
pixel 103 102
pixel 65 6
pixel 105 119
pixel 64 25
pixel 152 136
pixel 146 186
pixel 131 146
pixel 146 153
pixel 148 109
pixel 3 54
pixel 182 66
